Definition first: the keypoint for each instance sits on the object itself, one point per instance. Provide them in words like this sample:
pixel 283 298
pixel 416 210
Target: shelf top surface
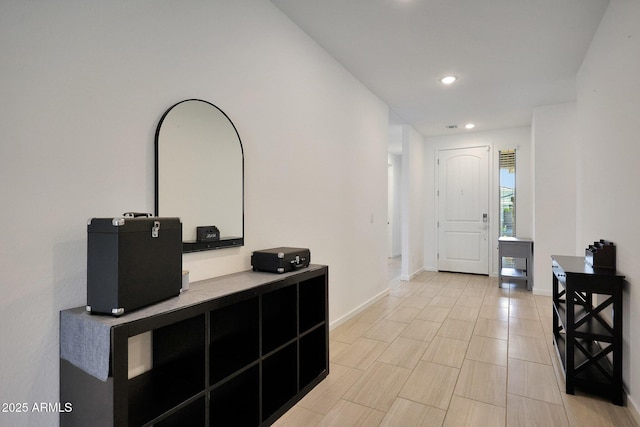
pixel 198 292
pixel 577 265
pixel 515 239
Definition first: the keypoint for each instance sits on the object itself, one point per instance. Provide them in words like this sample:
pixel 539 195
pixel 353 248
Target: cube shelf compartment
pixel 234 338
pixel 178 365
pixel 312 313
pixel 279 379
pixel 279 313
pixel 312 355
pixel 236 350
pixel 237 401
pixel 192 414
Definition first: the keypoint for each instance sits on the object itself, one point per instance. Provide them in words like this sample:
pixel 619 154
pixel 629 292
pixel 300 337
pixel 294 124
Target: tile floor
pixel 449 349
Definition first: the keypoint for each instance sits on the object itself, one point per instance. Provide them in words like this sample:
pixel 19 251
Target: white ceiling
pixel 509 55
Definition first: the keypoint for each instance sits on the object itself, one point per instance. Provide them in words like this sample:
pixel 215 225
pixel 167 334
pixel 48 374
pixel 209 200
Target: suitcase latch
pixel 298 262
pixel 155 229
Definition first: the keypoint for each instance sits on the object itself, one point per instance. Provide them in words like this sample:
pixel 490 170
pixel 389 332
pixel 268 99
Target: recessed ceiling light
pixel 447 80
pixel 469 126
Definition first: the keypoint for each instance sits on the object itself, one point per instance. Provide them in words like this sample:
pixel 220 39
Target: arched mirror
pixel 200 175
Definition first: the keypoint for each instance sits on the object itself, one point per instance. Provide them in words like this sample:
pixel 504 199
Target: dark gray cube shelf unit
pixel 235 350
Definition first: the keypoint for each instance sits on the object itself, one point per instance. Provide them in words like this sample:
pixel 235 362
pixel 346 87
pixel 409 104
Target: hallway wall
pixel 607 130
pixel 84 85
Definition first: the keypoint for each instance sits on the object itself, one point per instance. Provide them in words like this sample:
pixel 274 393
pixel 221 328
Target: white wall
pixel 555 188
pixel 607 137
pixel 498 139
pixel 412 203
pixel 83 87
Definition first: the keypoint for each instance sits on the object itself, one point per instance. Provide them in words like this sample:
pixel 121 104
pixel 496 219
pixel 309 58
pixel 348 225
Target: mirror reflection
pixel 200 174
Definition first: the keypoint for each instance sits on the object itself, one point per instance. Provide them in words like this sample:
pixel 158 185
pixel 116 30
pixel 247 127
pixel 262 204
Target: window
pixel 507 165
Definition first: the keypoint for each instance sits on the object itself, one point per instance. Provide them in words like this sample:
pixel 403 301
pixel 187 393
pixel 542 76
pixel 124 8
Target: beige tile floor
pixel 449 349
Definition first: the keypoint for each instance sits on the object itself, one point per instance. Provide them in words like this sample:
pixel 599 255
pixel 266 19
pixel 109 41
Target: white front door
pixel 463 209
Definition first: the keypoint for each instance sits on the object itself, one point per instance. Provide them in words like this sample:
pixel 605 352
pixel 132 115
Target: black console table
pixel 589 345
pixel 235 350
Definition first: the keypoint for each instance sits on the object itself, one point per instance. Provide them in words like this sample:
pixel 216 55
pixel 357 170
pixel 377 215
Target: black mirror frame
pixel 200 246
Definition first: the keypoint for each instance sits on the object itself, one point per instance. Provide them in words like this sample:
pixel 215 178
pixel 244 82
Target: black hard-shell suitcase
pixel 132 262
pixel 280 260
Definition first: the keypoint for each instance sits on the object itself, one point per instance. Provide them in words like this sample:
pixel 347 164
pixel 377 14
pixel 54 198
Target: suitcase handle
pixel 137 215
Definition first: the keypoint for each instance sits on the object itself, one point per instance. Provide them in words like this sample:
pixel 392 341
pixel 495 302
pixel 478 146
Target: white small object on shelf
pixel 185 281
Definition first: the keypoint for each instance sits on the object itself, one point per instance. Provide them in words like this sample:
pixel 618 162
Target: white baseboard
pixel 339 321
pixel 545 293
pixel 411 276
